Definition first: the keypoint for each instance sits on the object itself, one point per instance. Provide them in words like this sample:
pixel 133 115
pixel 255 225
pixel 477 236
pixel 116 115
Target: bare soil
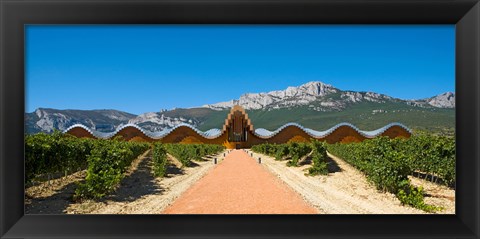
pixel 52 197
pixel 141 193
pixel 436 194
pixel 239 185
pixel 138 193
pixel 345 190
pixel 236 185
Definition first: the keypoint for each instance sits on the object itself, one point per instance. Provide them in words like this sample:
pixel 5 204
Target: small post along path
pixel 240 185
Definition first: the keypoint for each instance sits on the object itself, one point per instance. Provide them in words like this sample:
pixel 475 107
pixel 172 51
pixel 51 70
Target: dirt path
pixel 239 185
pixel 344 191
pixel 52 198
pixel 141 193
pixel 436 194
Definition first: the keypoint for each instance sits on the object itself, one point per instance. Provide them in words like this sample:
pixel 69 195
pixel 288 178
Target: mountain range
pixel 314 104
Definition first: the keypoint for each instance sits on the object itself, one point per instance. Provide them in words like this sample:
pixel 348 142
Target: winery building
pixel 238 132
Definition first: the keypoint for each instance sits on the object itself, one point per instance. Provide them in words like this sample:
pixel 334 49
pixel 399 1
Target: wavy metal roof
pixel 209 134
pixel 261 133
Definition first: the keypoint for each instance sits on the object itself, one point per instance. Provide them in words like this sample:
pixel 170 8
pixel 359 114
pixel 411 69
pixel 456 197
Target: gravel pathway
pixel 345 191
pixel 239 185
pixel 152 195
pixel 435 194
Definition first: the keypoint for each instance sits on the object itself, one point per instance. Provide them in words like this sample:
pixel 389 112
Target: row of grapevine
pixel 387 163
pixel 106 160
pixel 427 154
pixel 55 153
pixel 159 158
pixel 432 155
pixel 107 164
pixel 295 151
pixel 185 153
pixel 319 158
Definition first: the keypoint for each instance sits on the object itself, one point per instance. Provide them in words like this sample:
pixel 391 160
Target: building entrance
pixel 237 131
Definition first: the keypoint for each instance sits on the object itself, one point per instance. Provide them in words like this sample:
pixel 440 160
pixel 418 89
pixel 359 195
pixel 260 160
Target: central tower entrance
pixel 238 130
pixel 237 125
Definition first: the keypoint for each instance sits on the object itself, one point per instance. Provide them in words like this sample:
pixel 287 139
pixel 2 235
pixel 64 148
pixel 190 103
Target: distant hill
pixel 45 120
pixel 325 97
pixel 314 105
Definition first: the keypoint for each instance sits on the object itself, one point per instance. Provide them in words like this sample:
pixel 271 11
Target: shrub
pixel 107 165
pixel 55 153
pixel 160 162
pixel 297 151
pixel 185 153
pixel 413 196
pixel 319 159
pixel 388 162
pixel 433 155
pixel 282 151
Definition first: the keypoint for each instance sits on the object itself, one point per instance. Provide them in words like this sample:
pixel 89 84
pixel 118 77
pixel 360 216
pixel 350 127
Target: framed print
pixel 239 119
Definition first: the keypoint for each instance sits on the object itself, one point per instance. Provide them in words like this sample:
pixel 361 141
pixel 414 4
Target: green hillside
pixel 361 115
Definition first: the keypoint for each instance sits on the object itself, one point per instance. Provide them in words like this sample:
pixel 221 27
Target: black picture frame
pixel 15 14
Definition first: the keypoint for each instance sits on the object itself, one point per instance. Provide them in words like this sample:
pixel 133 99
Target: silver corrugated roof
pixel 262 133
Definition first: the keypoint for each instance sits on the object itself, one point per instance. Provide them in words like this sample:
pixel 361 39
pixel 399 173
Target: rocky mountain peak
pixel 302 94
pixel 317 88
pixel 320 95
pixel 445 100
pixel 156 121
pixel 39 112
pixel 314 96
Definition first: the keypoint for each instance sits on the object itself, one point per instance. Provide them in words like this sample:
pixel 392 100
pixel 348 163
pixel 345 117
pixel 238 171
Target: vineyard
pixel 53 154
pixel 107 164
pixel 388 163
pixel 185 153
pixel 188 152
pixel 295 151
pixel 105 161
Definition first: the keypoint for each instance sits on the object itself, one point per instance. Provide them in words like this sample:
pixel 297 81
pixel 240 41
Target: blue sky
pixel 146 68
